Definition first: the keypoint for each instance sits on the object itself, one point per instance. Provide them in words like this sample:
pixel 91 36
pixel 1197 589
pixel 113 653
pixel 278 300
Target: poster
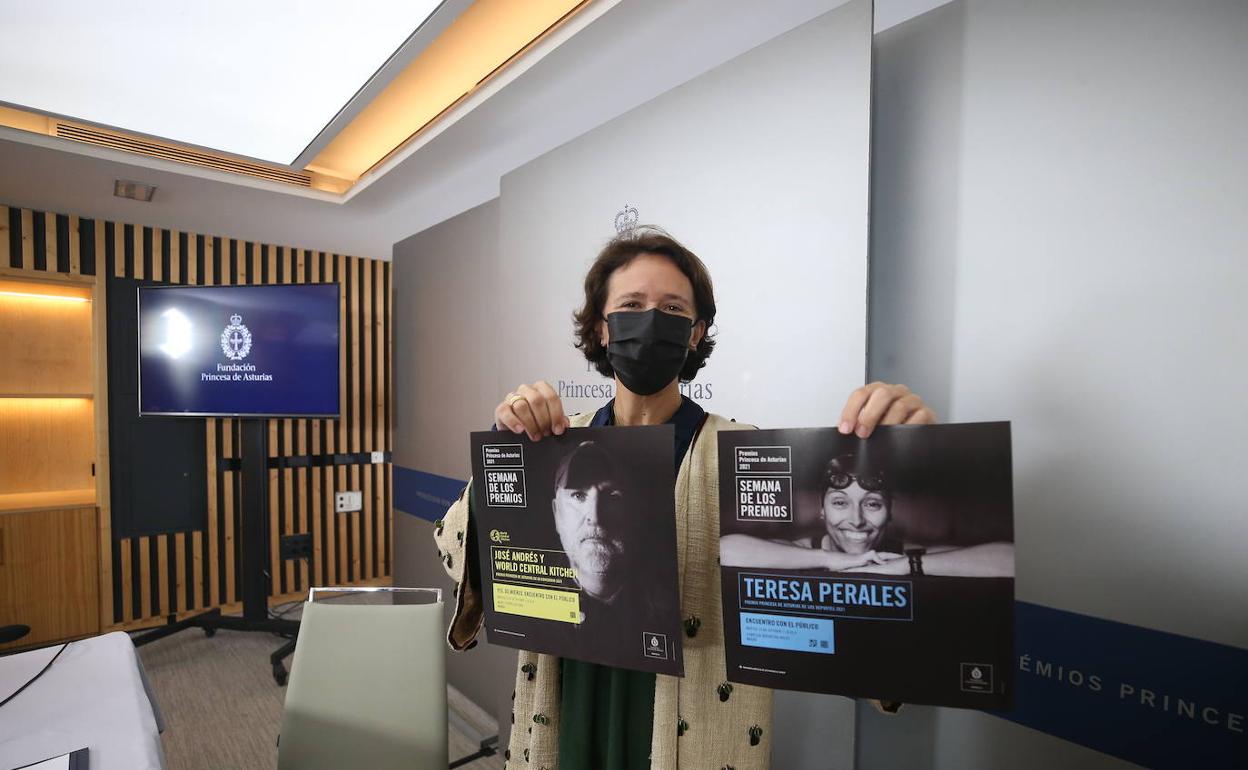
pixel 577 544
pixel 878 568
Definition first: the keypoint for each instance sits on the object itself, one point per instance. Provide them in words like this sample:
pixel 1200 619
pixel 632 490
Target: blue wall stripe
pixel 1157 699
pixel 424 495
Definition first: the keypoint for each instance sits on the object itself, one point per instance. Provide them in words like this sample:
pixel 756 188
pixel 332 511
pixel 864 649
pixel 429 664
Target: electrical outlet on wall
pixel 296 546
pixel 345 502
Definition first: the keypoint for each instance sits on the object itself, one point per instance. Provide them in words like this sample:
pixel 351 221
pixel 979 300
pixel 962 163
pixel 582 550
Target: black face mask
pixel 648 349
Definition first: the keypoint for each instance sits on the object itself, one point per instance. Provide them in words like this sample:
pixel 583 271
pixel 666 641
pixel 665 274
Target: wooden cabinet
pixel 49 531
pixel 49 573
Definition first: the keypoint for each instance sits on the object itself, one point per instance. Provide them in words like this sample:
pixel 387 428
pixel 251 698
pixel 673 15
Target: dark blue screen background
pixel 294 338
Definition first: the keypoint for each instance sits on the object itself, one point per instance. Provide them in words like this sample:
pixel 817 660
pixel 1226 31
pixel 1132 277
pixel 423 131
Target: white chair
pixel 367 686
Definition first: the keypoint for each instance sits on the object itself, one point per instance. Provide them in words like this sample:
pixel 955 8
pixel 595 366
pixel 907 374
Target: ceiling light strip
pixel 477 86
pixel 152 149
pixel 529 45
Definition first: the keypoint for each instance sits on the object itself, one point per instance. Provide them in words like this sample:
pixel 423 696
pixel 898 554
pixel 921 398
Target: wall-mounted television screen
pixel 239 350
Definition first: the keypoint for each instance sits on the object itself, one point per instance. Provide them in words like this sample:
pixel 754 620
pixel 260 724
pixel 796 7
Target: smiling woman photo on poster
pixel 858 533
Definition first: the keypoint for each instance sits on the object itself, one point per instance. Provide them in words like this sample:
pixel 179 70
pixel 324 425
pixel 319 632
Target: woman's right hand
pixel 533 409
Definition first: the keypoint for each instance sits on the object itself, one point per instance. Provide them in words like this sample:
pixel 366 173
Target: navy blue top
pixel 686 420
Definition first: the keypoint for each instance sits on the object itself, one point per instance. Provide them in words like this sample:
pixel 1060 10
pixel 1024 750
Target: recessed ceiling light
pixel 137 191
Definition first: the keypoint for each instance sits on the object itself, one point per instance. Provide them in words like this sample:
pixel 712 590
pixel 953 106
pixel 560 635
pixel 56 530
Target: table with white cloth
pixel 94 696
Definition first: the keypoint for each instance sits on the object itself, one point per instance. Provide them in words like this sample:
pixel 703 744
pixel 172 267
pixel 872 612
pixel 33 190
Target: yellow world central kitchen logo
pixel 499 536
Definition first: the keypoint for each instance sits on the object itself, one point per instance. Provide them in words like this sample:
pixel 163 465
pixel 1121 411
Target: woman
pixel 648 306
pixel 855 513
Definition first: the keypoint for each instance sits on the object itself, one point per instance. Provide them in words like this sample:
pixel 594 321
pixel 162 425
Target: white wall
pixel 761 167
pixel 1058 239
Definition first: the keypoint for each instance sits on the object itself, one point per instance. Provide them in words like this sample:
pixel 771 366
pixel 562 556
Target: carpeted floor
pixel 222 707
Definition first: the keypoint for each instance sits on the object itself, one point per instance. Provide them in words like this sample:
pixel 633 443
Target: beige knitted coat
pixel 723 727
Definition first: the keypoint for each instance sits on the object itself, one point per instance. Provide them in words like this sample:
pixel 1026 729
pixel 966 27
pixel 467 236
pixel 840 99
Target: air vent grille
pixel 167 152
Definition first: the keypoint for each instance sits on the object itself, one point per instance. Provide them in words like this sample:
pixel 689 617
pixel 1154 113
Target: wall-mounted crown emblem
pixel 626 220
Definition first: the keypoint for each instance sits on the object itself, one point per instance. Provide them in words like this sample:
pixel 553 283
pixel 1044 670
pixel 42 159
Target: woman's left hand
pixel 880 403
pixel 899 566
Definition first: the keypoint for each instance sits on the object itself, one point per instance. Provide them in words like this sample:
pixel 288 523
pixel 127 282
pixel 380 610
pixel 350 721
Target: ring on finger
pixel 512 401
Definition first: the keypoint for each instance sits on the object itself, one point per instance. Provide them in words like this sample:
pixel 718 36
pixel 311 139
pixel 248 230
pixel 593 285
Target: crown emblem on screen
pixel 236 339
pixel 626 220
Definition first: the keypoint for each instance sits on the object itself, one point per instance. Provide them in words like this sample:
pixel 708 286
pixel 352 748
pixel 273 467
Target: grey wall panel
pixel 445 386
pixel 446 380
pixel 1058 240
pixel 1072 179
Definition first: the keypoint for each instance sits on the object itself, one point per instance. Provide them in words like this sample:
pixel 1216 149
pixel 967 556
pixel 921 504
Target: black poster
pixel 577 544
pixel 877 568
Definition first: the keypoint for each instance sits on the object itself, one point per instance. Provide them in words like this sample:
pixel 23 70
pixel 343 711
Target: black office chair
pixel 13 633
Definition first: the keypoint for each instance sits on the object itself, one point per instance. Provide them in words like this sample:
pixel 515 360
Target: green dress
pixel 607 714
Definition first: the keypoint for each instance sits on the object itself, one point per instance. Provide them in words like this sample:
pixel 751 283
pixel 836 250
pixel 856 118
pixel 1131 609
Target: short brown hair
pixel 620 251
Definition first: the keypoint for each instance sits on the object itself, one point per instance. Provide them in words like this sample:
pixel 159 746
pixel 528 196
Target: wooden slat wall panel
pixel 229 482
pixel 28 239
pixel 87 254
pixel 208 264
pixel 200 599
pixel 316 483
pixel 179 588
pixel 274 426
pixel 75 247
pixel 301 501
pixel 340 428
pixel 147 579
pixel 127 572
pixel 364 398
pixel 353 417
pixel 285 581
pixel 387 398
pixel 49 242
pixel 164 599
pixel 6 230
pixel 303 427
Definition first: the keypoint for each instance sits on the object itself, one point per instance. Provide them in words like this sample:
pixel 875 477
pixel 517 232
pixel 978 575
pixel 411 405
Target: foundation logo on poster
pixel 654 645
pixel 977 677
pixel 626 220
pixel 236 339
